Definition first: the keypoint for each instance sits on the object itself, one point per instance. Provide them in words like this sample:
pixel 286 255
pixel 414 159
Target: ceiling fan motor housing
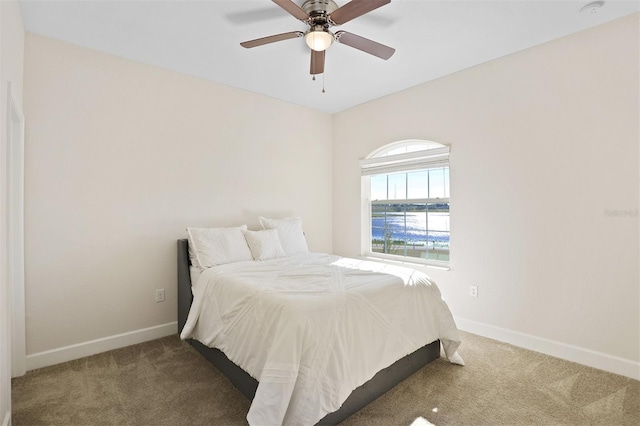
pixel 318 11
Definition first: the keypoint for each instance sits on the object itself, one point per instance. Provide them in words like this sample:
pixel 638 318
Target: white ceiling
pixel 432 38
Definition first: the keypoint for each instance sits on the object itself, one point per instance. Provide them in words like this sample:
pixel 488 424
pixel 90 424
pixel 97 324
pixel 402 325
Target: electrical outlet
pixel 473 291
pixel 160 295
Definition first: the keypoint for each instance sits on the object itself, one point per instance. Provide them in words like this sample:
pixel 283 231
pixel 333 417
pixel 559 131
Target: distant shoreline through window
pixel 406 210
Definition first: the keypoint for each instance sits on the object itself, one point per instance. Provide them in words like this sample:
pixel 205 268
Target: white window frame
pixel 434 155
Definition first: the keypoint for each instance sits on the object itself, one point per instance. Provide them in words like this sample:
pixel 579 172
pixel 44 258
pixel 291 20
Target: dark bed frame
pixel 379 384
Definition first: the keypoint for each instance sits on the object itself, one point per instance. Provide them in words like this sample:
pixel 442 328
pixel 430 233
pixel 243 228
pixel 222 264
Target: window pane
pixel 397 186
pixel 417 184
pixel 446 182
pixel 401 150
pixel 410 146
pixel 437 183
pixel 416 234
pixel 379 187
pixel 396 229
pixel 387 228
pixel 378 227
pixel 438 233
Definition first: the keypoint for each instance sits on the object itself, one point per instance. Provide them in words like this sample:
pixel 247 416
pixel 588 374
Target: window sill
pixel 408 263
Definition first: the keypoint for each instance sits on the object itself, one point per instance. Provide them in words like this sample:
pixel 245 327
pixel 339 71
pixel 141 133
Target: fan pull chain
pixel 313 78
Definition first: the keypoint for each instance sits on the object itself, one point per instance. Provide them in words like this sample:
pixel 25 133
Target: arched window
pixel 405 191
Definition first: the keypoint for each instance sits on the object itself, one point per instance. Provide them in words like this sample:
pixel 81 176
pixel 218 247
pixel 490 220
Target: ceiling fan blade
pixel 271 39
pixel 368 46
pixel 293 9
pixel 355 8
pixel 317 62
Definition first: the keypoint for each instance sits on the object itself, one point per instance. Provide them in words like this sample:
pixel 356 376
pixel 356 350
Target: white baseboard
pixel 7 419
pixel 599 360
pixel 81 350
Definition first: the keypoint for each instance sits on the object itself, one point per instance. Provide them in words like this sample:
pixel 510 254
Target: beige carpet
pixel 166 382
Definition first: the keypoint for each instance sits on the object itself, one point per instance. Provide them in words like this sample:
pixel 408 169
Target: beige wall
pixel 11 62
pixel 121 157
pixel 543 143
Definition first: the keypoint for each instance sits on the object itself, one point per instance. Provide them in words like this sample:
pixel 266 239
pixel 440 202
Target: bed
pixel 286 395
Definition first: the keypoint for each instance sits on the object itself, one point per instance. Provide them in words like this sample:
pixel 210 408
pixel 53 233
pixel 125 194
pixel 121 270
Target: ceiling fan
pixel 320 16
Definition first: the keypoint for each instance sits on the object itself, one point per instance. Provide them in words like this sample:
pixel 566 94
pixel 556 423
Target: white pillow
pixel 217 246
pixel 264 244
pixel 290 233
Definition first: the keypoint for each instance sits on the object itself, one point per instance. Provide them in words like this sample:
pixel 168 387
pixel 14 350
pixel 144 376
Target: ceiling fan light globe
pixel 318 40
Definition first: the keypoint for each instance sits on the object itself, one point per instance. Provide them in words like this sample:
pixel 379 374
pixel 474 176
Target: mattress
pixel 313 327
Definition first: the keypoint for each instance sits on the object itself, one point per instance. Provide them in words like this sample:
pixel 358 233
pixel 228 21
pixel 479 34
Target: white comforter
pixel 313 327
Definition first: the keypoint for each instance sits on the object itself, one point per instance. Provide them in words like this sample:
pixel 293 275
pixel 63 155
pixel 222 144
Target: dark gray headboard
pixel 185 297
